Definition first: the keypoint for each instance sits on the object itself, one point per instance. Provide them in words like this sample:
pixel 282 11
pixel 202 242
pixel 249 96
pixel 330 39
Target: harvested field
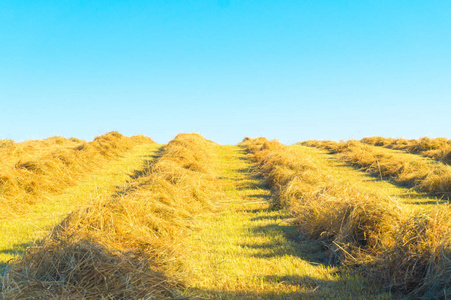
pixel 34 170
pixel 196 220
pixel 419 173
pixel 177 214
pixel 245 250
pixel 119 246
pixel 438 148
pixel 18 233
pixel 364 180
pixel 371 232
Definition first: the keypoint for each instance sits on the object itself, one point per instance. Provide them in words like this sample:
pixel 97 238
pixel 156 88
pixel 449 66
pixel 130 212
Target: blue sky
pixel 227 69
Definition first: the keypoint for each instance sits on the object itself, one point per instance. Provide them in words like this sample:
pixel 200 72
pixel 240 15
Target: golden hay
pixel 121 247
pixel 415 173
pixel 410 252
pixel 323 207
pixel 79 269
pixel 33 169
pixel 438 148
pixel 419 261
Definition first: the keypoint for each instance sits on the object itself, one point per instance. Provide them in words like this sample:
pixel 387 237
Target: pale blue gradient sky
pixel 295 70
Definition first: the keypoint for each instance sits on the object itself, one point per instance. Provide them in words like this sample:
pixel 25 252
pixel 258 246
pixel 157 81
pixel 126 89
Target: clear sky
pixel 227 69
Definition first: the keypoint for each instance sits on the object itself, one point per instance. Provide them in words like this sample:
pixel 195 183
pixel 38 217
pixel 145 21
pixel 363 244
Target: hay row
pixel 434 179
pixel 408 252
pixel 125 246
pixel 438 148
pixel 31 170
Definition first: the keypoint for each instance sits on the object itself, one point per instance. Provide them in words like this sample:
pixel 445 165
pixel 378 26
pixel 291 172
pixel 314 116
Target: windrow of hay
pixel 409 252
pixel 125 246
pixel 434 179
pixel 438 148
pixel 31 170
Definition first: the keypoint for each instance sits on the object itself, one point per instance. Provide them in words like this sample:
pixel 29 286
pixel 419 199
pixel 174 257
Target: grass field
pixel 261 220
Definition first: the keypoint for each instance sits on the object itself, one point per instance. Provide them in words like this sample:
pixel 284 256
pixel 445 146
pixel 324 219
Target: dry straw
pixel 409 252
pixel 438 148
pixel 31 170
pixel 434 179
pixel 125 246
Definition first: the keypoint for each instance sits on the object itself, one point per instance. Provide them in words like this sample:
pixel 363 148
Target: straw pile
pixel 31 170
pixel 434 179
pixel 123 247
pixel 408 252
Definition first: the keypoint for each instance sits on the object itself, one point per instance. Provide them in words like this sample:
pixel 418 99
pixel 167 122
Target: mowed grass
pixel 246 251
pixel 407 156
pixel 339 169
pixel 18 233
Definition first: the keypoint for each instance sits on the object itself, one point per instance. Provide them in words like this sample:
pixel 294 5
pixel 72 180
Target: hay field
pixel 33 170
pixel 438 148
pixel 420 173
pixel 126 218
pixel 406 250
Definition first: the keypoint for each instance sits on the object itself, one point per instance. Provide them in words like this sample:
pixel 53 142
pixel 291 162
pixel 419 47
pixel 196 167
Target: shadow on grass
pixel 273 218
pixel 253 181
pixel 311 251
pixel 305 287
pixel 16 250
pixel 250 182
pixel 147 164
pixel 259 196
pixel 423 202
pixel 424 199
pixel 141 172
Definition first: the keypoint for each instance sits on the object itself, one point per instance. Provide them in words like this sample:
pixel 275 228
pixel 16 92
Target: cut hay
pixel 410 252
pixel 79 269
pixel 434 179
pixel 33 170
pixel 125 246
pixel 438 148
